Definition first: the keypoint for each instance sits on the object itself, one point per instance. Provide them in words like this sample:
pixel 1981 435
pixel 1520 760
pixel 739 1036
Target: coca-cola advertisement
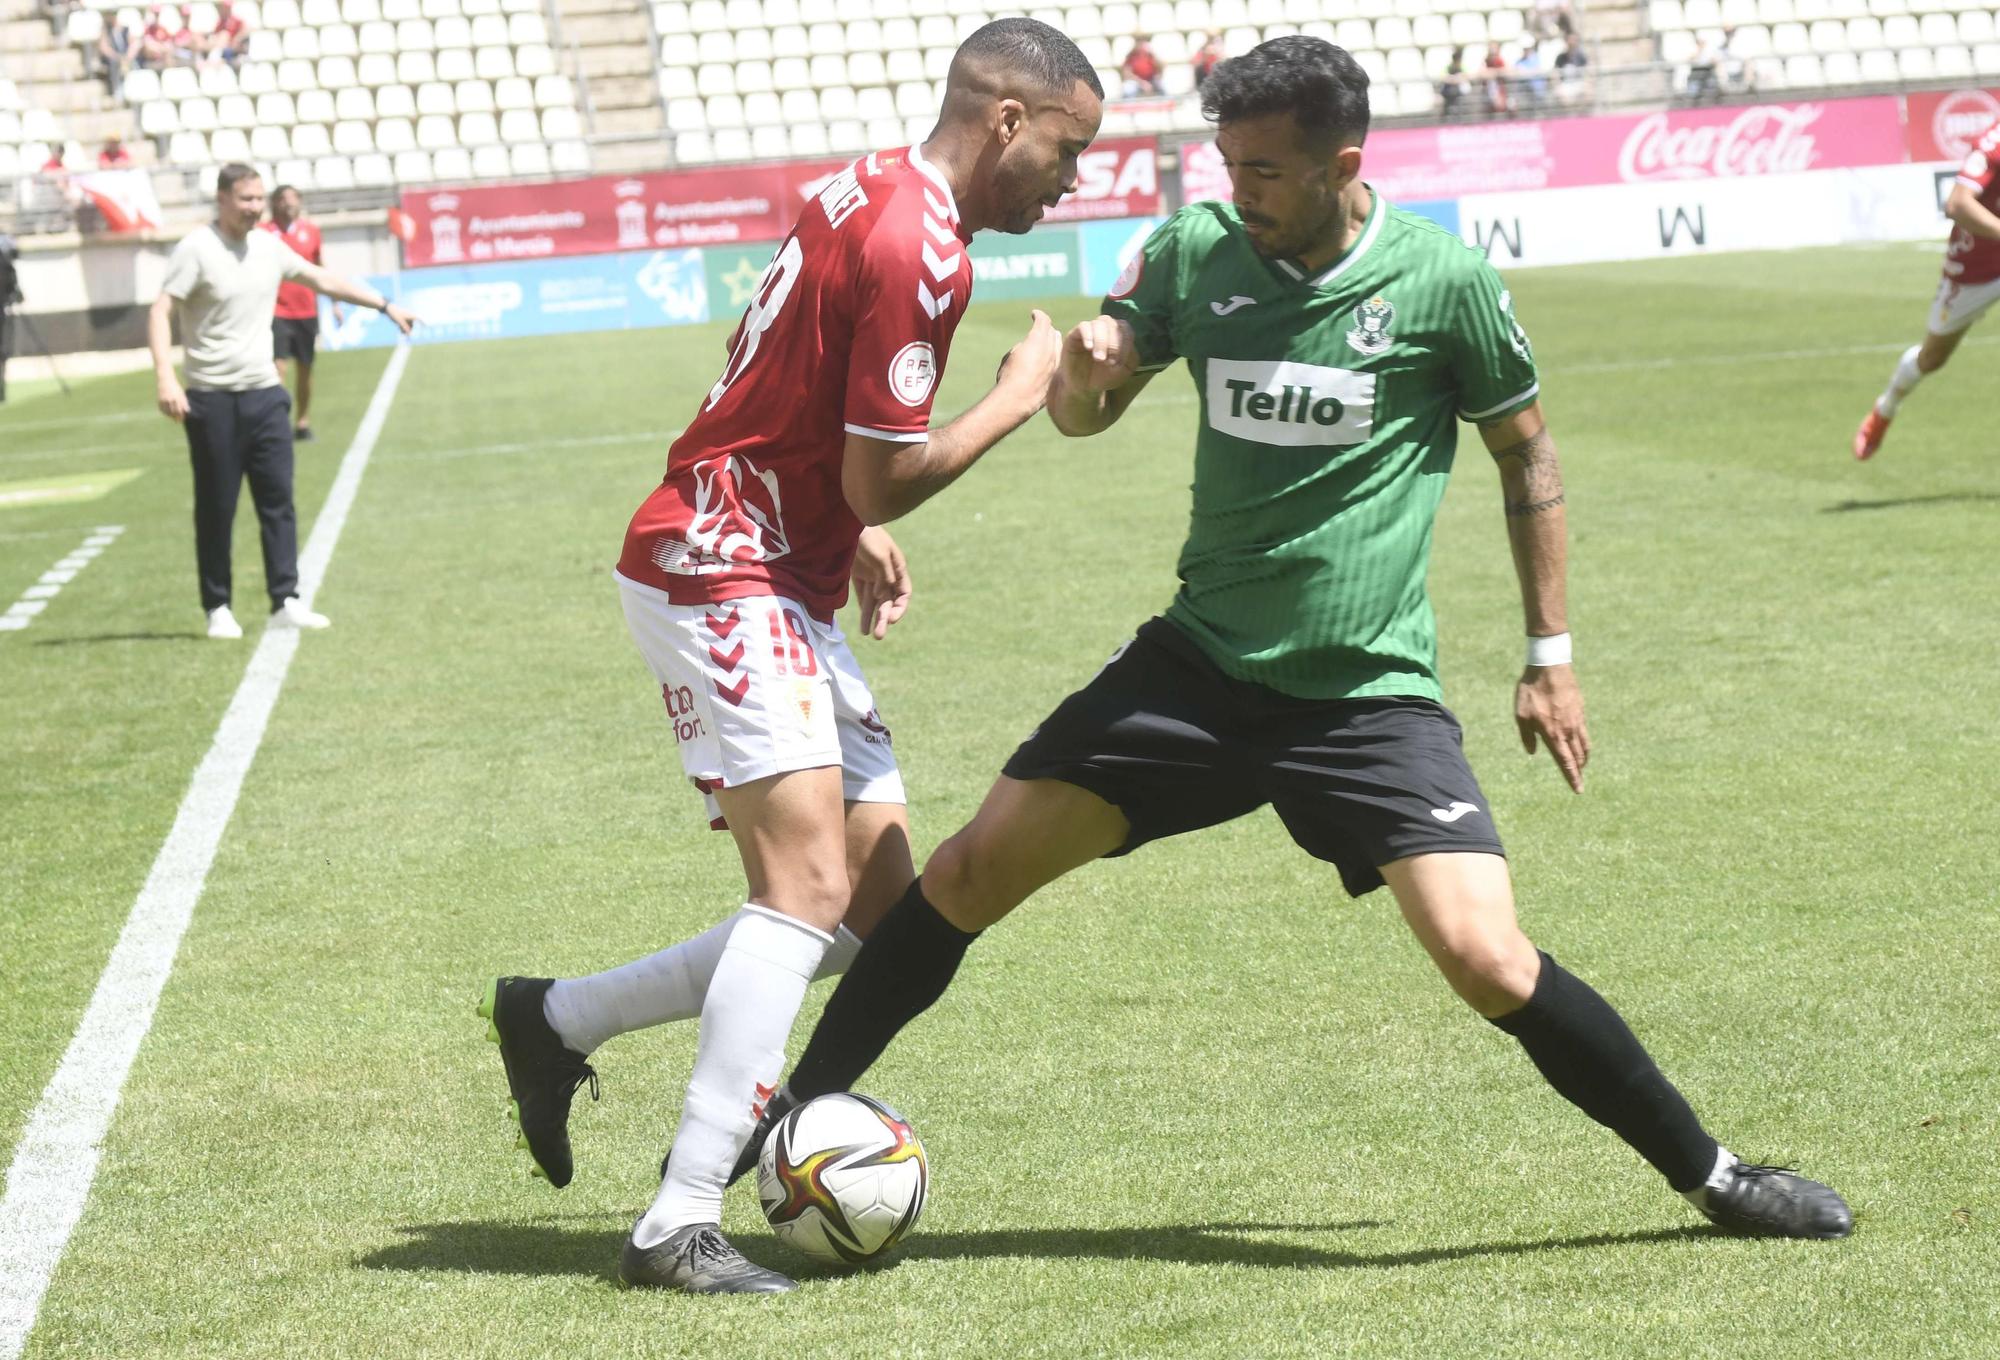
pixel 608 213
pixel 1423 164
pixel 1944 124
pixel 1117 177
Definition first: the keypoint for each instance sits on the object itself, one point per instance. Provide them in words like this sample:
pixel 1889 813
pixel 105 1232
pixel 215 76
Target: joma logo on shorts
pixel 1290 404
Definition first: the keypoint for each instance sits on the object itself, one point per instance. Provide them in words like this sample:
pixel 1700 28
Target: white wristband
pixel 1549 651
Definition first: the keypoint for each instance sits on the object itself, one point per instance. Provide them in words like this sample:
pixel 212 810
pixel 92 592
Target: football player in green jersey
pixel 1333 340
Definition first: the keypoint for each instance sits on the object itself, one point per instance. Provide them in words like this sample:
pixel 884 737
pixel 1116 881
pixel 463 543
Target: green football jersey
pixel 1327 432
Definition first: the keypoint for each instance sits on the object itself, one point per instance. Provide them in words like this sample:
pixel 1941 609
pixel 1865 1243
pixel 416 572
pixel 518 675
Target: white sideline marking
pixel 36 597
pixel 57 1157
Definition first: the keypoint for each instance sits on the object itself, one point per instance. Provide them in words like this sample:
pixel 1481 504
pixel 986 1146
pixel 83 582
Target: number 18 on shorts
pixel 756 686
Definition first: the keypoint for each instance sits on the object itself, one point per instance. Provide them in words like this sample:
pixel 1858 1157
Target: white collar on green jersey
pixel 1378 211
pixel 936 177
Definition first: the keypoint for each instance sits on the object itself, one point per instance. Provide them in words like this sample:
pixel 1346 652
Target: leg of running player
pixel 672 983
pixel 1461 908
pixel 302 398
pixel 1026 834
pixel 791 831
pixel 1917 363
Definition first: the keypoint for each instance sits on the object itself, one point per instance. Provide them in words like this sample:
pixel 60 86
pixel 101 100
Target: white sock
pixel 669 985
pixel 1901 383
pixel 752 1001
pixel 1725 1163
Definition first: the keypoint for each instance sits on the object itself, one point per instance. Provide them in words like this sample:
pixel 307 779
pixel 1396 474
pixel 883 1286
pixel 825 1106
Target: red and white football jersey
pixel 848 331
pixel 1969 259
pixel 296 301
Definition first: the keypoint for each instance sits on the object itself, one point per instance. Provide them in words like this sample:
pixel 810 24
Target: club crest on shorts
pixel 1373 321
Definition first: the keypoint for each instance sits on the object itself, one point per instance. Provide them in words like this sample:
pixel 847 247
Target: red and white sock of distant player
pixel 1901 383
pixel 754 996
pixel 670 985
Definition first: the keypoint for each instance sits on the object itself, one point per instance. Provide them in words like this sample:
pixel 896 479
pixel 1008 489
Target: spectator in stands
pixel 156 43
pixel 1572 63
pixel 1141 68
pixel 1531 87
pixel 1204 60
pixel 1702 81
pixel 117 48
pixel 114 155
pixel 57 12
pixel 1734 71
pixel 1451 90
pixel 1496 80
pixel 230 37
pixel 1551 19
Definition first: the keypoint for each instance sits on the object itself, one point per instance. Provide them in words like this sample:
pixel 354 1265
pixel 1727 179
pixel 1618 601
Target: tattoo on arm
pixel 1531 467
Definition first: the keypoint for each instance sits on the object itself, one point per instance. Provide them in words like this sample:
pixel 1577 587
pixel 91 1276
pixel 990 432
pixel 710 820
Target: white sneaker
pixel 293 614
pixel 223 625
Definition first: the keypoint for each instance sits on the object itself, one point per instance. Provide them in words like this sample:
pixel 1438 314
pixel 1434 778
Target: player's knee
pixel 965 881
pixel 1491 974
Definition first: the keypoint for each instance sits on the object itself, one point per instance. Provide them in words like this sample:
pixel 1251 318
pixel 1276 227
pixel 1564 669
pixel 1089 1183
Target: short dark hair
pixel 282 190
pixel 1317 83
pixel 1034 49
pixel 232 175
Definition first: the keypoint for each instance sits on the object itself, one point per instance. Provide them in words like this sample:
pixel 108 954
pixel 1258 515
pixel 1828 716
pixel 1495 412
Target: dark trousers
pixel 232 435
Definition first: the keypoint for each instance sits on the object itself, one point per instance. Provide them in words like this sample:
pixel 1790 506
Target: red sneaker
pixel 1868 438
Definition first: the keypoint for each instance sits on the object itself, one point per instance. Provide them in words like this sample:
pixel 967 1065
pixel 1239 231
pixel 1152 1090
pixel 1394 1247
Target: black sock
pixel 1593 1060
pixel 904 965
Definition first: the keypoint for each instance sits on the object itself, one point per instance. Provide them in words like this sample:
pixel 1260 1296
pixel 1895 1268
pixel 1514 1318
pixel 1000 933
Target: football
pixel 843 1178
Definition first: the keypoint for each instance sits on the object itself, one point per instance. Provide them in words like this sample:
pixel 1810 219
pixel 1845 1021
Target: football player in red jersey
pixel 295 320
pixel 1970 287
pixel 817 429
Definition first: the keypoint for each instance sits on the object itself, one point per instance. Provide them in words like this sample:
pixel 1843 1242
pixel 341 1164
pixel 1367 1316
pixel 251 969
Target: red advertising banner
pixel 1117 177
pixel 1944 124
pixel 1457 160
pixel 592 216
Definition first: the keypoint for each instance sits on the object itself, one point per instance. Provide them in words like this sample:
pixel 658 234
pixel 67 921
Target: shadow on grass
pixel 120 637
pixel 554 1248
pixel 1902 502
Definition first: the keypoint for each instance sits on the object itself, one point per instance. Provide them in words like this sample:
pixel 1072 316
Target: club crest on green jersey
pixel 1373 320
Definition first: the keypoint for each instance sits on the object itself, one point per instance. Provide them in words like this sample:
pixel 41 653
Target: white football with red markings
pixel 843 1178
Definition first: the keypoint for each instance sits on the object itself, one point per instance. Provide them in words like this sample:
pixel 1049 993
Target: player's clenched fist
pixel 1099 354
pixel 1031 363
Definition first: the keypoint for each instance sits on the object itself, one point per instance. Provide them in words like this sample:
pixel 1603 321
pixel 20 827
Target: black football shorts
pixel 294 338
pixel 1175 744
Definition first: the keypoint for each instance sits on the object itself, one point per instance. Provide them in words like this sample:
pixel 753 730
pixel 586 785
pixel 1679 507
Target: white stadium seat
pixel 529 158
pixel 452 163
pixel 413 167
pixel 333 172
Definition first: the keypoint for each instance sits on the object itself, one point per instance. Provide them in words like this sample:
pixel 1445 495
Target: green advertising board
pixel 1044 263
pixel 733 272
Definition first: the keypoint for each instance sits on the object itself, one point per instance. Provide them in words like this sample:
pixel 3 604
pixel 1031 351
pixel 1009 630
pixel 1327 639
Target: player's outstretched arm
pixel 1963 207
pixel 343 289
pixel 884 479
pixel 1097 378
pixel 1547 702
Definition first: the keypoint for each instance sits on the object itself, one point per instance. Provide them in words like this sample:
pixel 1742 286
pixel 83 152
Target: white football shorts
pixel 755 687
pixel 1958 305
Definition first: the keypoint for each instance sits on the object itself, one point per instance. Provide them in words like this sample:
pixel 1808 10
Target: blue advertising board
pixel 626 291
pixel 1108 247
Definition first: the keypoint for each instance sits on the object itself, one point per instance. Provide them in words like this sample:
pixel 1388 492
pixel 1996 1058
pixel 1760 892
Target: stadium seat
pixel 353 104
pixel 715 78
pixel 413 167
pixel 302 44
pixel 316 106
pixel 473 96
pixel 333 172
pixel 513 93
pixel 339 41
pixel 724 111
pixel 846 136
pixel 218 80
pixel 296 75
pixel 141 87
pixel 570 158
pixel 769 143
pixel 376 69
pixel 534 61
pixel 310 140
pixel 686 115
pixel 490 162
pixel 415 68
pixel 732 144
pixel 530 158
pixel 452 163
pixel 395 135
pixel 693 148
pixel 435 132
pixel 236 111
pixel 276 110
pixel 435 97
pixel 395 101
pixel 554 92
pixel 762 110
pixel 187 148
pixel 198 114
pixel 493 63
pixel 561 125
pixel 518 127
pixel 456 64
pixel 836 103
pixel 452 32
pixel 809 139
pixel 229 144
pixel 415 35
pixel 478 129
pixel 178 83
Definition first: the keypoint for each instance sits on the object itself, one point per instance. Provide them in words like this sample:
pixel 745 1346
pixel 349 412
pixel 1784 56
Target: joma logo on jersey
pixel 1290 404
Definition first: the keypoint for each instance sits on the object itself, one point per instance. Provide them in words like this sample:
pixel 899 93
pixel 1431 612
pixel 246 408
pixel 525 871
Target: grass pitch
pixel 1194 1103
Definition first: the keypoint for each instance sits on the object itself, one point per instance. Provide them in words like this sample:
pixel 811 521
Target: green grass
pixel 1194 1103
